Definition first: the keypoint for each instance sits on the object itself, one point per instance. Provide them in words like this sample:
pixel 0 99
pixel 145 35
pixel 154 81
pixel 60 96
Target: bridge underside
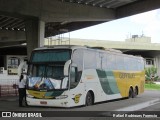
pixel 29 21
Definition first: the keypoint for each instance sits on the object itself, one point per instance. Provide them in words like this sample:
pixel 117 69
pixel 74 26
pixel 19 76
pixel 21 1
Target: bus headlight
pixel 30 96
pixel 62 97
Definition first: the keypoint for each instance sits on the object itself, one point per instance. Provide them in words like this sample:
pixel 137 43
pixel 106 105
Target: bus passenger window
pixel 73 77
pixel 73 74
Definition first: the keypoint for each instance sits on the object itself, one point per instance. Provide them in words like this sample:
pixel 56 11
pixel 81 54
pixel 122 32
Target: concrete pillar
pixel 34 35
pixel 158 65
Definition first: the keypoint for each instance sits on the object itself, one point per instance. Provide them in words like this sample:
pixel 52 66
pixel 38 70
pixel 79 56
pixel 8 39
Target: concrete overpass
pixel 121 45
pixel 29 21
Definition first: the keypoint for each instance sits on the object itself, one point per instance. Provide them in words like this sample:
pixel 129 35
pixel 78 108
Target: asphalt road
pixel 148 101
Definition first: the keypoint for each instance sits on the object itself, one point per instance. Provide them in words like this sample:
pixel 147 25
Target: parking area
pixel 143 101
pixel 140 107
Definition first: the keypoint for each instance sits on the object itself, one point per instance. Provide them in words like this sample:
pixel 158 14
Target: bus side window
pixel 73 77
pixel 73 74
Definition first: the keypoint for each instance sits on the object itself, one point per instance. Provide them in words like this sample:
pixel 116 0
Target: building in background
pixel 11 58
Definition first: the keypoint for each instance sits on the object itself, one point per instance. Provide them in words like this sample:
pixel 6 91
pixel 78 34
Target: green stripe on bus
pixel 54 93
pixel 108 82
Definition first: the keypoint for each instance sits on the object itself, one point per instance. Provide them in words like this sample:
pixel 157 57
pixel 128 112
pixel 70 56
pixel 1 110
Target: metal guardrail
pixel 8 90
pixel 8 81
pixel 8 87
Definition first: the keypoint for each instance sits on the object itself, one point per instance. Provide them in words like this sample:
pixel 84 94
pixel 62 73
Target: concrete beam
pixel 7 44
pixel 137 7
pixel 12 36
pixel 116 44
pixel 57 11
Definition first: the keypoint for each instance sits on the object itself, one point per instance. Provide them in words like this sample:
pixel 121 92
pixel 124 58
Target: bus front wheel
pixel 89 99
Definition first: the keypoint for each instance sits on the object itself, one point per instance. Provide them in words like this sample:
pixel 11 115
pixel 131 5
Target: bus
pixel 13 62
pixel 69 76
pixel 12 65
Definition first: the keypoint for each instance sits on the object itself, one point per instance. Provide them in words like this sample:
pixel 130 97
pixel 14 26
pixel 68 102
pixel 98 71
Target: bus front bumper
pixel 48 102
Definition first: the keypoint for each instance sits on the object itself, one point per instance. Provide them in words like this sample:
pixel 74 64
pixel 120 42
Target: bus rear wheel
pixel 89 99
pixel 136 91
pixel 131 93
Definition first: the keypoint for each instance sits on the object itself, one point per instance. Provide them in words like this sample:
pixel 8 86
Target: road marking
pixel 139 106
pixel 132 107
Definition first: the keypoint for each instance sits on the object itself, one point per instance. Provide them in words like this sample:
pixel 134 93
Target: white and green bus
pixel 68 76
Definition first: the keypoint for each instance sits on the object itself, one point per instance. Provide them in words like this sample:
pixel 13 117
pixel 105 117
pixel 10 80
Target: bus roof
pixel 114 51
pixel 75 47
pixel 60 47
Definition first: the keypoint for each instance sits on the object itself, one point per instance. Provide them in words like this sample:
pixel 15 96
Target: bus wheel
pixel 135 92
pixel 130 93
pixel 89 99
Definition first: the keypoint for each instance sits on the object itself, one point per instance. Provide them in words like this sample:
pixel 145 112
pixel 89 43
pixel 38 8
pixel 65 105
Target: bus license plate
pixel 43 102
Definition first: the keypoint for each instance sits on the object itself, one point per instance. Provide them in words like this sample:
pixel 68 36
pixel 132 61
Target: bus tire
pixel 131 93
pixel 135 91
pixel 89 99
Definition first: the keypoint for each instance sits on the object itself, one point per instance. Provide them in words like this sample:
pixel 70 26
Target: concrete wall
pixel 116 44
pixel 157 64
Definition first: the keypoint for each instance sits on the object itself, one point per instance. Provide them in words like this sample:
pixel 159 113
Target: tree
pixel 151 74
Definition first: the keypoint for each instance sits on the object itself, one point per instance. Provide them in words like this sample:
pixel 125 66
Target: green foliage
pixel 151 74
pixel 152 86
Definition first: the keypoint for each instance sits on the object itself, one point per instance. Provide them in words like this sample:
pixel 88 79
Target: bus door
pixel 76 85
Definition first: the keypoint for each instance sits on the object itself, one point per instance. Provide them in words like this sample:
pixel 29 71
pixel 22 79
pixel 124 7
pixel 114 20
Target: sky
pixel 147 23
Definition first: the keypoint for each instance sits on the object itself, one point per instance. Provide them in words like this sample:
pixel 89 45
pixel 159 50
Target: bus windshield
pixel 50 56
pixel 46 70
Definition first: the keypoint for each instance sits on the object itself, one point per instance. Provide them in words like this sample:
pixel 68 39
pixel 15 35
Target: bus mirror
pixel 66 66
